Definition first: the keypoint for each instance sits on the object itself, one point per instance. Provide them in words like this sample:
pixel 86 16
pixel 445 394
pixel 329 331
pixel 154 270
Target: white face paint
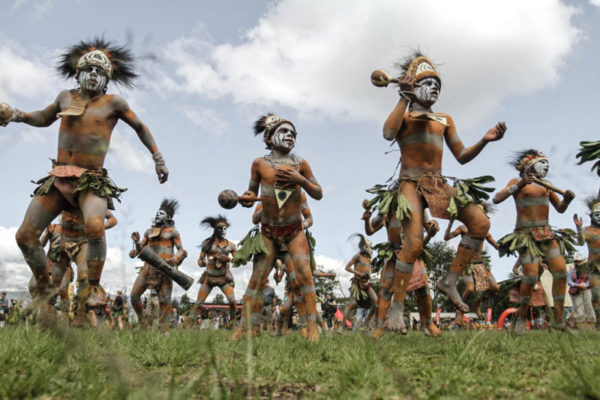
pixel 284 137
pixel 595 217
pixel 427 94
pixel 160 218
pixel 92 79
pixel 541 168
pixel 221 231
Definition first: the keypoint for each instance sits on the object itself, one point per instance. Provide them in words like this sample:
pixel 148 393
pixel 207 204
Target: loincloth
pixel 359 288
pixel 534 240
pixel 281 234
pixel 56 252
pixel 154 278
pixel 480 275
pixel 70 180
pixel 435 191
pixel 72 248
pixel 217 277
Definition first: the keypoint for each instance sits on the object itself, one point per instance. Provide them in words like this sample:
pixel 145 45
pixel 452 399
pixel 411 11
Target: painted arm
pixel 393 123
pixel 372 225
pixel 461 230
pixel 578 225
pixel 513 187
pixel 181 254
pixel 431 227
pixel 351 263
pixel 465 154
pixel 110 220
pixel 41 118
pixel 561 206
pixel 46 236
pixel 490 239
pixel 127 115
pixel 306 213
pixel 135 236
pixel 305 178
pixel 202 259
pixel 253 185
pixel 257 214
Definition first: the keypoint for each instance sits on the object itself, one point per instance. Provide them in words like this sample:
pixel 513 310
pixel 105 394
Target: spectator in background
pixel 363 305
pixel 3 309
pixel 329 309
pixel 269 305
pixel 581 294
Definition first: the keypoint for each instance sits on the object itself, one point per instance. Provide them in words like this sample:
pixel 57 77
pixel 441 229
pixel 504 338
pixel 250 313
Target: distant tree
pixel 185 304
pixel 219 299
pixel 176 305
pixel 442 255
pixel 323 286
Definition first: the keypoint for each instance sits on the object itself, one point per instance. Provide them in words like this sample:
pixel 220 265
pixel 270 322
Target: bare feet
pixel 447 285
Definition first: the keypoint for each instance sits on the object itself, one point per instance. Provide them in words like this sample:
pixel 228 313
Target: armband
pixel 158 159
pixel 18 115
pixel 512 189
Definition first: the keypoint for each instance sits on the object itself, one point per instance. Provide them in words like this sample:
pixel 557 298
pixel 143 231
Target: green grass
pixel 205 364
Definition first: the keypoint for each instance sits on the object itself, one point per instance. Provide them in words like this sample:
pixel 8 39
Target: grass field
pixel 205 364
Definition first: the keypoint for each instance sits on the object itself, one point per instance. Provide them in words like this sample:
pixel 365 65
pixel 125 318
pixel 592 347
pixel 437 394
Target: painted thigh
pixel 253 298
pixel 229 294
pixel 413 226
pixel 93 208
pixel 41 211
pixel 300 253
pixel 475 220
pixel 203 293
pixel 139 286
pixel 81 263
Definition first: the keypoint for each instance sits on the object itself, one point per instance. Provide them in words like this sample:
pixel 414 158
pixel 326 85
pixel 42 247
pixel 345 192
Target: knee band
pixel 468 279
pixel 404 268
pixel 527 259
pixel 525 300
pixel 386 294
pixel 552 253
pixel 558 297
pixel 530 279
pixel 388 274
pixel 559 275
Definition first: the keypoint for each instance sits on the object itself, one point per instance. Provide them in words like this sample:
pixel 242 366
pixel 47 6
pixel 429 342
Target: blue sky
pixel 209 69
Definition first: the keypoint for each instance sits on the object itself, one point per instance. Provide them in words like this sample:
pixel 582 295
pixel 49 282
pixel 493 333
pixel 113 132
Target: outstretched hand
pixel 135 236
pixel 569 196
pixel 163 173
pixel 496 133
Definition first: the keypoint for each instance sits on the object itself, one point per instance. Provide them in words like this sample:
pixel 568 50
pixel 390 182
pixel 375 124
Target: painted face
pixel 221 231
pixel 540 168
pixel 161 218
pixel 284 137
pixel 595 217
pixel 427 94
pixel 92 79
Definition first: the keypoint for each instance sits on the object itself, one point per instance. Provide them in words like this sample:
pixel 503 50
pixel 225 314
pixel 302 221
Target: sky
pixel 209 69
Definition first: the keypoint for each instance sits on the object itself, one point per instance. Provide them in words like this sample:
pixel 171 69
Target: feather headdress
pixel 364 244
pixel 419 67
pixel 212 222
pixel 523 160
pixel 170 206
pixel 116 61
pixel 267 124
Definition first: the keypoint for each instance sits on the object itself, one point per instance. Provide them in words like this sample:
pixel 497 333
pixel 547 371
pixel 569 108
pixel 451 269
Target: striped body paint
pixel 591 236
pixel 217 261
pixel 161 240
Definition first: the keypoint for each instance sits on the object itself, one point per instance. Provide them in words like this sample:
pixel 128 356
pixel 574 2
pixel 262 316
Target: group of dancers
pixel 79 190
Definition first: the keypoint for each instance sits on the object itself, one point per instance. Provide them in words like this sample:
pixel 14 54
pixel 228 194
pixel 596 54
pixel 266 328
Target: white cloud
pixel 24 75
pixel 208 119
pixel 128 153
pixel 595 2
pixel 38 8
pixel 316 57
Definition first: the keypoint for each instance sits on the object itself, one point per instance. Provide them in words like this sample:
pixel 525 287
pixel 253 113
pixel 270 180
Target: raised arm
pixel 41 118
pixel 374 224
pixel 131 119
pixel 461 230
pixel 561 206
pixel 431 227
pixel 110 220
pixel 578 225
pixel 512 188
pixel 465 154
pixel 135 236
pixel 393 123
